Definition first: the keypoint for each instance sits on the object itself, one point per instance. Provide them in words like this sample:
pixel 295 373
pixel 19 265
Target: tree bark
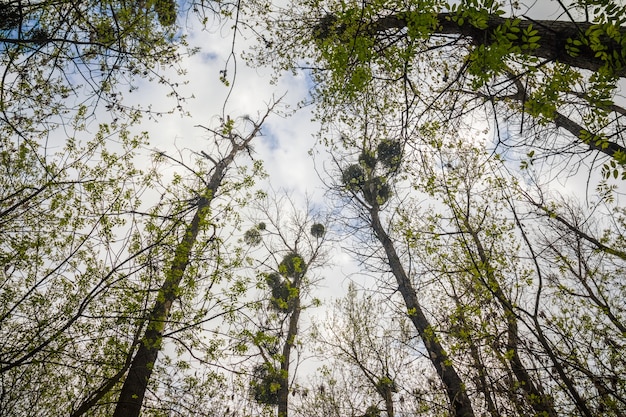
pixel 388 396
pixel 552 45
pixel 292 332
pixel 454 386
pixel 594 141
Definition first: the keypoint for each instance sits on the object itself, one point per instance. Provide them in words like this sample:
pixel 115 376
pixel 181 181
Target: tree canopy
pixel 465 259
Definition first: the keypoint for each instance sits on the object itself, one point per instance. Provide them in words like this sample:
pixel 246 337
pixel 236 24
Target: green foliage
pixel 607 43
pixel 548 97
pixel 283 294
pixel 266 382
pixel 62 289
pixel 508 39
pixel 385 384
pixel 376 191
pixel 474 12
pixel 252 237
pixel 353 177
pixel 614 169
pixel 166 11
pixel 507 58
pixel 372 411
pixel 105 46
pixel 368 160
pixel 390 153
pixel 423 22
pixel 9 16
pixel 292 266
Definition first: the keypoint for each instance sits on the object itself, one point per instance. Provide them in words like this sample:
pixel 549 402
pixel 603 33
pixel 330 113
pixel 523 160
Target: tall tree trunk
pixel 134 388
pixel 454 386
pixel 388 395
pixel 292 332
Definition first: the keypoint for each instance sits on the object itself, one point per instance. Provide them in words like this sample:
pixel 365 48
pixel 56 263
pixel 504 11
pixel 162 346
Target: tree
pixel 292 246
pixel 495 296
pixel 369 183
pixel 586 281
pixel 116 308
pixel 55 55
pixel 498 308
pixel 382 74
pixel 82 261
pixel 433 64
pixel 62 280
pixel 474 242
pixel 472 275
pixel 136 382
pixel 486 271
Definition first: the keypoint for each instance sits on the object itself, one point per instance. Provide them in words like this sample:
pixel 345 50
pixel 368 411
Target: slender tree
pixel 355 337
pixel 292 245
pixel 370 183
pixel 145 357
pixel 506 312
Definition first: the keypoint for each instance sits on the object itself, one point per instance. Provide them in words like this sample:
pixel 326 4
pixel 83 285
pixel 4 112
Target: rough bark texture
pixel 454 386
pixel 552 46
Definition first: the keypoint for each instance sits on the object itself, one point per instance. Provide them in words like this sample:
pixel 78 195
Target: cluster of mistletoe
pixel 370 175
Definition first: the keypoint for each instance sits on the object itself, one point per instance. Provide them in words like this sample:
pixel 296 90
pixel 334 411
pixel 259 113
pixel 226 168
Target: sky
pixel 285 142
pixel 286 139
pixel 287 136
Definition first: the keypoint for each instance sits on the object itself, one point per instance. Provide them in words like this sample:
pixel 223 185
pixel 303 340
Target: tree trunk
pixel 292 332
pixel 388 395
pixel 552 45
pixel 136 383
pixel 541 403
pixel 595 141
pixel 454 386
